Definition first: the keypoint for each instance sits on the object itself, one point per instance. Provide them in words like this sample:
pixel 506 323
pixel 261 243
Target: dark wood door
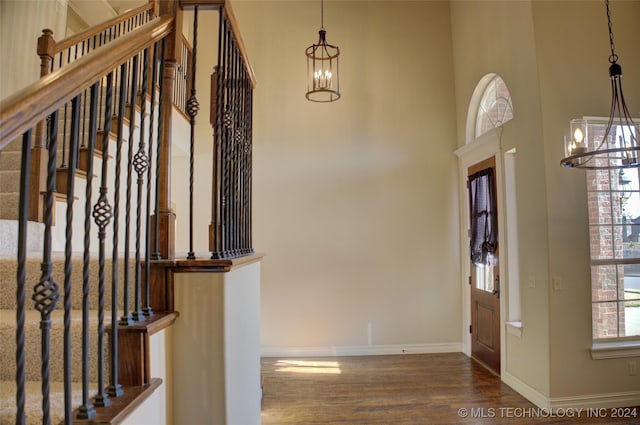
pixel 485 270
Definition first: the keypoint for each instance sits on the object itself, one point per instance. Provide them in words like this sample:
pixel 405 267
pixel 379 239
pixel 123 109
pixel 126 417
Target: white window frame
pixel 615 346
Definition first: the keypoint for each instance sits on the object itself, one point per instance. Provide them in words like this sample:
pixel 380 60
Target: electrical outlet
pixel 557 283
pixel 532 281
pixel 633 368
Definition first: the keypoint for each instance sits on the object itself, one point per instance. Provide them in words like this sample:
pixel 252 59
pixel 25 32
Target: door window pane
pixel 484 277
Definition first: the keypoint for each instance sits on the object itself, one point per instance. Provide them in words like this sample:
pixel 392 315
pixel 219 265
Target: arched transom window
pixel 495 106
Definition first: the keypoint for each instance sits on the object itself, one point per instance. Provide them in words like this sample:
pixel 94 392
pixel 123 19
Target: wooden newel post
pixel 39 154
pixel 166 216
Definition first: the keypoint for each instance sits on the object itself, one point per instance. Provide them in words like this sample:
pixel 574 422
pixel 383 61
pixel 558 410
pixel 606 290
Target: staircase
pixel 82 350
pixel 10 187
pixel 8 332
pixel 107 233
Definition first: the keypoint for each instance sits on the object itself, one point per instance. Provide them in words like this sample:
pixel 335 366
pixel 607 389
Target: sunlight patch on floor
pixel 308 366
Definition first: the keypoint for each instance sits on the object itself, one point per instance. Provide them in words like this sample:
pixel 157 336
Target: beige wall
pixel 355 202
pixel 346 208
pixel 497 37
pixel 553 56
pixel 573 69
pixel 215 371
pixel 21 23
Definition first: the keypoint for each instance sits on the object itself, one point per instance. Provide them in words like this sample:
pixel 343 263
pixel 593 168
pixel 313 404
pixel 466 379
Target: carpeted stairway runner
pixel 8 266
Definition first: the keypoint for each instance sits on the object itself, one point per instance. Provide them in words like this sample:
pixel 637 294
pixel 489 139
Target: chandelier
pixel 323 84
pixel 618 147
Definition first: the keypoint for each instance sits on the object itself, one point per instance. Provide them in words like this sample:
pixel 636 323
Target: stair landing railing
pixel 56 55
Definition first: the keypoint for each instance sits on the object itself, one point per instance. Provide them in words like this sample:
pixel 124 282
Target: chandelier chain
pixel 322 14
pixel 613 58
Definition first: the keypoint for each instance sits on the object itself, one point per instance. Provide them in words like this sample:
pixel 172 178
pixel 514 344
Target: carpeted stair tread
pixel 10 160
pixel 33 339
pixel 9 205
pixel 8 269
pixel 9 181
pixel 33 404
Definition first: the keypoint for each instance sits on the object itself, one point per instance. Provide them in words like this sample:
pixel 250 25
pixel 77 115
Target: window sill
pixel 615 349
pixel 515 328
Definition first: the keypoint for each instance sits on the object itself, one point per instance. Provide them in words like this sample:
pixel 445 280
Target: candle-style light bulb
pixel 577 144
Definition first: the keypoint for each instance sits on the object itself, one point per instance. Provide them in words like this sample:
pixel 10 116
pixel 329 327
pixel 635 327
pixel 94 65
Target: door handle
pixel 496 286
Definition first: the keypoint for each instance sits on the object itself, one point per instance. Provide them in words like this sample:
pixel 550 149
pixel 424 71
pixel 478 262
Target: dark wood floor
pixel 418 389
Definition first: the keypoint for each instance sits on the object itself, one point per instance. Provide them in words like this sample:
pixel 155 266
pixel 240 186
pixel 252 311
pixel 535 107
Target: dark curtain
pixel 484 223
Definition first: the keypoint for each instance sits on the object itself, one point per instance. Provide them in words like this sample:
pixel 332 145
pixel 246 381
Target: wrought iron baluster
pixel 101 103
pixel 64 136
pixel 102 216
pixel 226 146
pixel 156 252
pixel 231 221
pixel 148 311
pixel 219 138
pixel 230 133
pixel 246 172
pixel 231 224
pixel 86 410
pixel 127 319
pixel 46 292
pixel 141 164
pixel 21 278
pixel 68 264
pixel 223 146
pixel 114 389
pixel 239 140
pixel 249 171
pixel 243 161
pixel 192 109
pixel 216 216
pixel 214 226
pixel 237 149
pixel 83 133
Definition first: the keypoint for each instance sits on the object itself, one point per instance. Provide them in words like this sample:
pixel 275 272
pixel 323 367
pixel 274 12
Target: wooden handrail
pixel 77 38
pixel 24 109
pixel 226 5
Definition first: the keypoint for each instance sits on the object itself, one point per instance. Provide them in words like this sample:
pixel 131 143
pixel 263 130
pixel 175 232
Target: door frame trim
pixel 484 147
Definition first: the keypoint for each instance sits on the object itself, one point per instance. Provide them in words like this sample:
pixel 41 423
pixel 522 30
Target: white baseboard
pixel 591 401
pixel 360 350
pixel 531 394
pixel 598 401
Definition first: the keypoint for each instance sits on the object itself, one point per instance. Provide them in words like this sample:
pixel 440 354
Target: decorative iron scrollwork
pixel 46 293
pixel 102 212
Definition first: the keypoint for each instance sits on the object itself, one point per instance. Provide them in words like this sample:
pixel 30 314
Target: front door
pixel 485 272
